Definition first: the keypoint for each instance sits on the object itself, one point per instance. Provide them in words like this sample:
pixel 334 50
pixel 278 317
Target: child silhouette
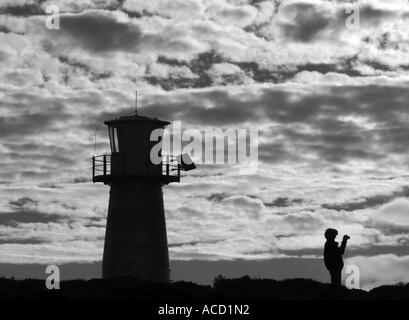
pixel 333 255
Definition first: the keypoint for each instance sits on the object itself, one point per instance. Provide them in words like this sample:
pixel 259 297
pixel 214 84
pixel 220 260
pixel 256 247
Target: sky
pixel 330 103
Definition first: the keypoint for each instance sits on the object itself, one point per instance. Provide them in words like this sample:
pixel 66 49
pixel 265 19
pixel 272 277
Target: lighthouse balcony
pixel 110 167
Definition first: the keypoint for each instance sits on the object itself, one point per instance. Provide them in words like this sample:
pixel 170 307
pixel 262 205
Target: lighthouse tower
pixel 135 238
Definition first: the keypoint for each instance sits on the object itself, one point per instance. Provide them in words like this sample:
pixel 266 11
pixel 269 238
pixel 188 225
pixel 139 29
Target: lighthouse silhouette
pixel 135 238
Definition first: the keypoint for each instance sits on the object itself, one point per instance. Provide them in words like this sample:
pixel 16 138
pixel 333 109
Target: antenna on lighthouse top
pixel 136 102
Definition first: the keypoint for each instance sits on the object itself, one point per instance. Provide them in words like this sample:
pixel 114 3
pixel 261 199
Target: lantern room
pixel 132 138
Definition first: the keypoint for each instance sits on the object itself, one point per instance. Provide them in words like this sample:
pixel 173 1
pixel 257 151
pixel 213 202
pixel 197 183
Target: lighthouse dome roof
pixel 137 118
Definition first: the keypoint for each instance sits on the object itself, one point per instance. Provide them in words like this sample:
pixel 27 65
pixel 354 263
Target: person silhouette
pixel 333 255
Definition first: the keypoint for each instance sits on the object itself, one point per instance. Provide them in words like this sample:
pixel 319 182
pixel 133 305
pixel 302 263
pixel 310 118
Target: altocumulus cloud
pixel 330 106
pixel 97 32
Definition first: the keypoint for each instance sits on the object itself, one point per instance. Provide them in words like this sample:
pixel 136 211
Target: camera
pixel 347 237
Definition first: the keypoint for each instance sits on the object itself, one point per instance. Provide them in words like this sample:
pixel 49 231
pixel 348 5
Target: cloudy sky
pixel 331 104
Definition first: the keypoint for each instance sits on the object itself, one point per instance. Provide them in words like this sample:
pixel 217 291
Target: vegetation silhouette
pixel 244 288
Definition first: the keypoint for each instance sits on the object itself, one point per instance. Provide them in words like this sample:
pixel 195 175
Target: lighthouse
pixel 135 237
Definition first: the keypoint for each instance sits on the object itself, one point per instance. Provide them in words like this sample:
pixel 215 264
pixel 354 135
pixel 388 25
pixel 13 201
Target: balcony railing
pixel 130 165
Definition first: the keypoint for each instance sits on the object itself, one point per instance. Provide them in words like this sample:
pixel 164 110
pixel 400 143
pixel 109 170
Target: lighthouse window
pixel 116 144
pixel 113 139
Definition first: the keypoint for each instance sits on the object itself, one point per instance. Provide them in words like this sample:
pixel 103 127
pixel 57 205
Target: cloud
pixel 97 32
pixel 92 37
pixel 374 201
pixel 21 8
pixel 218 196
pixel 337 125
pixel 242 213
pixel 26 210
pixel 178 9
pixel 248 205
pixel 23 120
pixel 394 212
pixel 227 14
pixel 392 218
pixel 308 21
pixel 330 107
pixel 15 240
pixel 27 124
pixel 12 218
pixel 25 8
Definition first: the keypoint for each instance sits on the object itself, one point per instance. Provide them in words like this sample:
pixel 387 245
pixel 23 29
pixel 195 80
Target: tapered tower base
pixel 135 239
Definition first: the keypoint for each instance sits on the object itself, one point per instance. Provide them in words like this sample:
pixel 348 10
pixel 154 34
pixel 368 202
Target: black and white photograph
pixel 204 158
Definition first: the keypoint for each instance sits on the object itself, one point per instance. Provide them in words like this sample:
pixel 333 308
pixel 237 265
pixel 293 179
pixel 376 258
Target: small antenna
pixel 136 102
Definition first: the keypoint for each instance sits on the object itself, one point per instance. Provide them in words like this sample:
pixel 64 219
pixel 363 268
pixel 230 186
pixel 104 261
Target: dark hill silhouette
pixel 222 289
